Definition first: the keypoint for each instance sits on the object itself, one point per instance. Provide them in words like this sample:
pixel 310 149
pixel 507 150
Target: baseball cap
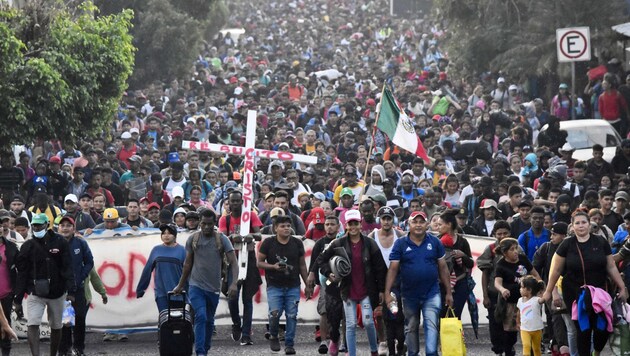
pixel 110 214
pixel 134 130
pixel 177 166
pixel 346 191
pixel 125 135
pixel 276 212
pixel 501 80
pixel 415 214
pixel 55 159
pixel 135 158
pixel 319 196
pixel 71 197
pixel 318 215
pixel 19 198
pixel 489 203
pixel 238 91
pixel 560 228
pixel 173 157
pixel 462 212
pixel 153 205
pixel 170 227
pixel 385 211
pixel 352 215
pixel 178 192
pixel 621 195
pixel 39 219
pixel 563 86
pixel 379 198
pixel 4 214
pixel 513 87
pixel 67 218
pixel 166 216
pixel 270 195
pixel 180 210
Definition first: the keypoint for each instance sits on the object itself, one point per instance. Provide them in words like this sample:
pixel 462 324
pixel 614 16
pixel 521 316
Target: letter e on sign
pixel 573 44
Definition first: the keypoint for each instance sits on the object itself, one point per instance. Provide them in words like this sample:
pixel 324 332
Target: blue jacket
pixel 82 259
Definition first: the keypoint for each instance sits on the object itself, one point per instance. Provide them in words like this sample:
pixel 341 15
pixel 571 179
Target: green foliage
pixel 63 72
pixel 168 34
pixel 519 36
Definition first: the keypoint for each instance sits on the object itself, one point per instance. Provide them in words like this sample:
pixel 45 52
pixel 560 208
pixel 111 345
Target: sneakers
pixel 246 340
pixel 289 350
pixel 110 337
pixel 318 335
pixel 383 349
pixel 323 348
pixel 236 332
pixel 374 353
pixel 274 344
pixel 122 337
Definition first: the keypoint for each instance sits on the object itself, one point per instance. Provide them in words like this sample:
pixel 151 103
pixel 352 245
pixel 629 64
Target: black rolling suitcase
pixel 175 330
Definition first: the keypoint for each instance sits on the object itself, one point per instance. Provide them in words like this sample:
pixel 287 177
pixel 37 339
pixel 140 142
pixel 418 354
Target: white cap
pixel 513 87
pixel 352 215
pixel 73 198
pixel 125 135
pixel 238 91
pixel 179 210
pixel 178 192
pixel 501 80
pixel 134 130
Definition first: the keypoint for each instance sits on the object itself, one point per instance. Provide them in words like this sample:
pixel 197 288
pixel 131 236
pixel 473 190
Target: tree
pixel 62 70
pixel 169 34
pixel 519 36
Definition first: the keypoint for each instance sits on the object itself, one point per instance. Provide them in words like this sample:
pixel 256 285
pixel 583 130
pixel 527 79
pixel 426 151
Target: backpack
pixel 219 245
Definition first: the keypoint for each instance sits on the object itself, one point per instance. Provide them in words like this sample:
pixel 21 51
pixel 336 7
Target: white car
pixel 583 134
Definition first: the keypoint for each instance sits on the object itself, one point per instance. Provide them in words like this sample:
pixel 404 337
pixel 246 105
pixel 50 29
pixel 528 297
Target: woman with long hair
pixel 459 259
pixel 561 104
pixel 577 254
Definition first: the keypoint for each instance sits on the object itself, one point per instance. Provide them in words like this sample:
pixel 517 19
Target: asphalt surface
pixel 145 344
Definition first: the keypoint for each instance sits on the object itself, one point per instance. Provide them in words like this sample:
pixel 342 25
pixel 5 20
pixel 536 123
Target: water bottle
pixel 393 305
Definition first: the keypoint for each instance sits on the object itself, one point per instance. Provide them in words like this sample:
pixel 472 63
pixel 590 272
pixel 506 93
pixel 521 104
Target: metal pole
pixel 573 90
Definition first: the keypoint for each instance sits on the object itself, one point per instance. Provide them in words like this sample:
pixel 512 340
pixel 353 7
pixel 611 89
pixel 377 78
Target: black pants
pixel 599 337
pixel 502 341
pixel 395 329
pixel 7 306
pixel 334 314
pixel 78 330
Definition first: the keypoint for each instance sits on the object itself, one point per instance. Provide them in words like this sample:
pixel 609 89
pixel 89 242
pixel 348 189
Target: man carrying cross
pixel 230 225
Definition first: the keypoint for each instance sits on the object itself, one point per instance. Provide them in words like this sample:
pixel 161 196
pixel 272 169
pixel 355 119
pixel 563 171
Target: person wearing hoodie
pixel 376 185
pixel 530 167
pixel 563 209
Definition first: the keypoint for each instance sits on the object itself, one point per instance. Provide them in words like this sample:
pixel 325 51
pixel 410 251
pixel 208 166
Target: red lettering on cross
pixel 265 153
pixel 249 153
pixel 285 156
pixel 225 149
pixel 204 146
pixel 249 166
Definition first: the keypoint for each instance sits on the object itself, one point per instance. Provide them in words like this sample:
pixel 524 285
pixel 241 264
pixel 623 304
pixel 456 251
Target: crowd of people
pixel 314 72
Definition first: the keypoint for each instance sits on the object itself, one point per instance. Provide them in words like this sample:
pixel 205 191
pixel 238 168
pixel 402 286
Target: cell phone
pixel 282 264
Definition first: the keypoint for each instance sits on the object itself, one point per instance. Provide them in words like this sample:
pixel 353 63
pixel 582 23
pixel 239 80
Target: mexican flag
pixel 393 121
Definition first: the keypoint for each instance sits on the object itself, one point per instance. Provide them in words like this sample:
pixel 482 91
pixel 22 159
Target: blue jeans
pixel 350 310
pixel 248 310
pixel 430 309
pixel 283 300
pixel 205 305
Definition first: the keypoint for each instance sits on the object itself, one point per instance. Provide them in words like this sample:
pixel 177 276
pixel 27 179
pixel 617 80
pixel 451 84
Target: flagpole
pixel 378 114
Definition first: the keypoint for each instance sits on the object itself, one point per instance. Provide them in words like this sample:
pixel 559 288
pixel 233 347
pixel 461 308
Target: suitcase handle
pixel 169 298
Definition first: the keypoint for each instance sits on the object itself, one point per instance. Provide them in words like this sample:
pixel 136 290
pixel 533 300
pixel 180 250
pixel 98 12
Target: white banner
pixel 120 260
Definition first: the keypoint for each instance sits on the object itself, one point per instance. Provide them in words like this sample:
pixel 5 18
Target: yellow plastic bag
pixel 452 335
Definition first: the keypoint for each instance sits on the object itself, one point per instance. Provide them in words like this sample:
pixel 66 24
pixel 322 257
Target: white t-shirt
pixel 531 314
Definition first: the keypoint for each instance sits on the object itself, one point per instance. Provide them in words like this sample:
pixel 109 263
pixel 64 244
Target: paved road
pixel 145 344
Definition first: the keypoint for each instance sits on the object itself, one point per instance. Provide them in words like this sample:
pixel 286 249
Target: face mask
pixel 39 234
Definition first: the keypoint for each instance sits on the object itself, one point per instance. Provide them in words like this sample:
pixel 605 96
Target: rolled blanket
pixel 340 266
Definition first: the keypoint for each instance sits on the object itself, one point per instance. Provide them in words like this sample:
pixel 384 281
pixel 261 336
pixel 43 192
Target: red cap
pixel 55 159
pixel 153 205
pixel 233 80
pixel 68 219
pixel 437 117
pixel 415 214
pixel 370 102
pixel 442 76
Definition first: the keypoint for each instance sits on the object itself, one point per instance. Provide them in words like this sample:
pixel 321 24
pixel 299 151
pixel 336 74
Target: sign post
pixel 574 45
pixel 250 153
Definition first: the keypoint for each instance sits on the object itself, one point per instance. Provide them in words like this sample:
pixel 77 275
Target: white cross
pixel 250 152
